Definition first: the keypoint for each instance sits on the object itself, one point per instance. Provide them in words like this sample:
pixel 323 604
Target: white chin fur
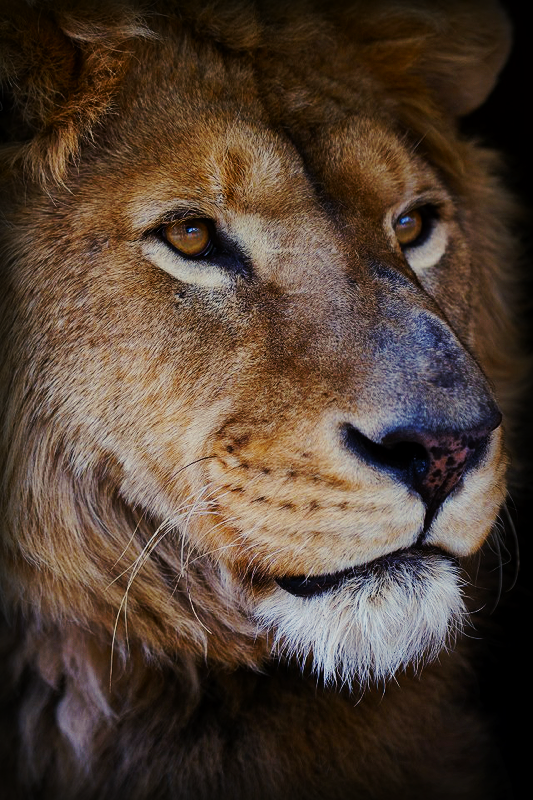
pixel 376 623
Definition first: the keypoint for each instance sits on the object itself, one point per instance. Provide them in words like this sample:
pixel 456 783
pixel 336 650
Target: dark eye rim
pixel 430 216
pixel 223 251
pixel 211 249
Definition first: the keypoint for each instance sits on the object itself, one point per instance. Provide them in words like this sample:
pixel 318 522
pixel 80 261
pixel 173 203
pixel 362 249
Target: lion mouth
pixel 397 562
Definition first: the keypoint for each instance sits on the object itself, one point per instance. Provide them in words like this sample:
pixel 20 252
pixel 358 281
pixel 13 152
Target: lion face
pixel 265 331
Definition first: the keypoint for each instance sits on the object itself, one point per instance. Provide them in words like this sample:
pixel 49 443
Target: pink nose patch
pixel 448 456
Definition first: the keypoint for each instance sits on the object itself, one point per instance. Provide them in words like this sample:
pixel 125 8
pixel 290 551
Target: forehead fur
pixel 62 64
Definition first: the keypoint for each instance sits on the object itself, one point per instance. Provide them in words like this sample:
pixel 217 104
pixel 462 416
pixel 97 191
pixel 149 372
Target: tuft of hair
pixel 60 65
pixel 376 624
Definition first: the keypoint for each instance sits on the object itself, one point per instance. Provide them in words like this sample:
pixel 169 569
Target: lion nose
pixel 430 463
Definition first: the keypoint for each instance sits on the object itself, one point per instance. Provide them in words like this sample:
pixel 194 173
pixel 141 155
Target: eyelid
pixel 192 271
pixel 154 227
pixel 178 214
pixel 225 262
pixel 171 218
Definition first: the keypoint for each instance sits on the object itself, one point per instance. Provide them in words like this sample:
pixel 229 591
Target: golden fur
pixel 232 566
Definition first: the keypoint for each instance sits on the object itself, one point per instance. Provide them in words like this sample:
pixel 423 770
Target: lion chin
pixel 367 623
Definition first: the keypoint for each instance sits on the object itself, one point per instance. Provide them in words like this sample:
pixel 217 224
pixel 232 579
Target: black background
pixel 505 122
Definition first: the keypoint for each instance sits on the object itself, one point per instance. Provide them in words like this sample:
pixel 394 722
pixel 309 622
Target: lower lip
pixel 315 585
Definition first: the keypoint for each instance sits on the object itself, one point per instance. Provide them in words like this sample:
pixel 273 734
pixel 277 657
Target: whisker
pixel 509 526
pixel 498 551
pixel 194 611
pixel 137 565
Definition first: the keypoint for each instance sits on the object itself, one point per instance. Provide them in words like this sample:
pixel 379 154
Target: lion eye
pixel 409 227
pixel 192 238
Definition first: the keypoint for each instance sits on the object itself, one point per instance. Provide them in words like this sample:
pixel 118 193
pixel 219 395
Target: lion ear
pixel 59 66
pixel 463 59
pixel 37 66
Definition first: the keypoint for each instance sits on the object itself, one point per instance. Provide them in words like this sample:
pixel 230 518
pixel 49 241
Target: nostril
pixel 407 460
pixel 432 464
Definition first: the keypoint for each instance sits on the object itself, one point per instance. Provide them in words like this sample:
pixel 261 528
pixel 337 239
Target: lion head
pixel 259 342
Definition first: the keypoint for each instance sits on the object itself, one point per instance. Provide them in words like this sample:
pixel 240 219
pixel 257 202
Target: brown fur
pixel 170 446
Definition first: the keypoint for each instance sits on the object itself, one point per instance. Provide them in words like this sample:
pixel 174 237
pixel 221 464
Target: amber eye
pixel 409 227
pixel 193 238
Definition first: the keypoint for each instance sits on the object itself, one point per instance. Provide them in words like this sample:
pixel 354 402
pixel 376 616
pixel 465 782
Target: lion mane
pixel 257 307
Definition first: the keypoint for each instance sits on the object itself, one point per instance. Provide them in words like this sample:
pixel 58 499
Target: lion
pixel 260 356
